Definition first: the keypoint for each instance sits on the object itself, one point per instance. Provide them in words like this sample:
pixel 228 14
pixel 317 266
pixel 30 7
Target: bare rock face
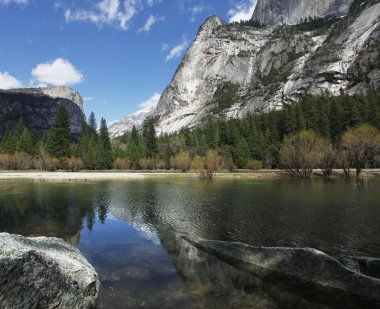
pixel 220 53
pixel 278 12
pixel 44 273
pixel 38 106
pixel 263 68
pixel 63 92
pixel 266 67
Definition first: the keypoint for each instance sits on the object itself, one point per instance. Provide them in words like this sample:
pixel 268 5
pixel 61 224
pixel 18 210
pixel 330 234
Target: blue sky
pixel 118 54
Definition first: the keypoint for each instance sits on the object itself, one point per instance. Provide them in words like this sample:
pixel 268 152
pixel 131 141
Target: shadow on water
pixel 127 231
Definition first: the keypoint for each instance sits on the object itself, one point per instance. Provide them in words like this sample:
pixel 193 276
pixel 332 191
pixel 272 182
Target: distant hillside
pixel 38 106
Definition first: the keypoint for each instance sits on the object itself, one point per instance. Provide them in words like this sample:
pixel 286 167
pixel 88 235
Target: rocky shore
pixel 304 271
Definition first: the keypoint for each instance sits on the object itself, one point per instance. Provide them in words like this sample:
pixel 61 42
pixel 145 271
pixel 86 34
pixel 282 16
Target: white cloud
pixel 196 10
pixel 151 102
pixel 150 22
pixel 58 72
pixel 192 8
pixel 88 99
pixel 177 50
pixel 6 2
pixel 7 81
pixel 109 12
pixel 242 11
pixel 164 47
pixel 152 2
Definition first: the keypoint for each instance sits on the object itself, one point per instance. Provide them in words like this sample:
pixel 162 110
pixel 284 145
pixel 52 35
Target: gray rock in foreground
pixel 44 272
pixel 305 271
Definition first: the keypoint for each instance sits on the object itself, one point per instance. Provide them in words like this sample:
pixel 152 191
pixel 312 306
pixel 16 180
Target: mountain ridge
pixel 37 107
pixel 277 12
pixel 271 65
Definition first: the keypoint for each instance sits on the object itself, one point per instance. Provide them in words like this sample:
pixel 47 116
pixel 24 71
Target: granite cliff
pixel 277 12
pixel 233 69
pixel 38 106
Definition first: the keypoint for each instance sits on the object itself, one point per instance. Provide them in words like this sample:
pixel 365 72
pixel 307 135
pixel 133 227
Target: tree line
pixel 322 131
pixel 258 139
pixel 26 149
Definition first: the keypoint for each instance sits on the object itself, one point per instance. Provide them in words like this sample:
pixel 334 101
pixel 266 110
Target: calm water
pixel 130 231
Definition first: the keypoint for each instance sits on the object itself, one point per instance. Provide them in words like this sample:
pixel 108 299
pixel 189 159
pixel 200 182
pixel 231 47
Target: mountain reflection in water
pixel 130 231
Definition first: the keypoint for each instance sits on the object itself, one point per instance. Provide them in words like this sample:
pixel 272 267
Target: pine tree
pixel 19 127
pixel 242 154
pixel 134 136
pixel 84 138
pixel 323 126
pixel 336 126
pixel 60 134
pixel 149 137
pixel 92 122
pixel 354 115
pixel 374 113
pixel 9 143
pixel 212 134
pixel 300 118
pixel 133 153
pixel 25 143
pixel 105 157
pixel 291 119
pixel 92 148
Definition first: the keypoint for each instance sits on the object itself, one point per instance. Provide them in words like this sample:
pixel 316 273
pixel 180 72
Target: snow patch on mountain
pixel 147 108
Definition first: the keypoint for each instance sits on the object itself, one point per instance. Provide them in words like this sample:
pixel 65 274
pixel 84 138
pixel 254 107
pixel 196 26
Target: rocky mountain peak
pixel 209 25
pixel 231 70
pixel 64 92
pixel 277 12
pixel 56 92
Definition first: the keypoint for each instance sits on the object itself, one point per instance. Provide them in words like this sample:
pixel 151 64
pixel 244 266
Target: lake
pixel 130 231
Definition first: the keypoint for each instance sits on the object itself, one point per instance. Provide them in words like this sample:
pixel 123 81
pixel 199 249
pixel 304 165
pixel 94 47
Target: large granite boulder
pixel 309 272
pixel 44 272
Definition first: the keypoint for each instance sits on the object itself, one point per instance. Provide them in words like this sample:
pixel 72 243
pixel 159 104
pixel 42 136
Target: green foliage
pixel 241 154
pixel 248 23
pixel 95 147
pixel 104 154
pixel 133 150
pixel 149 137
pixel 242 143
pixel 274 77
pixel 224 96
pixel 92 122
pixel 313 23
pixel 60 134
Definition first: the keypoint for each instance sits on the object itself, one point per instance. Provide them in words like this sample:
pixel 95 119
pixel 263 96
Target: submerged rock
pixel 305 271
pixel 369 266
pixel 44 272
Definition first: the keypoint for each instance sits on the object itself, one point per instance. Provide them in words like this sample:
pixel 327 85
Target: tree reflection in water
pixel 129 232
pixel 56 210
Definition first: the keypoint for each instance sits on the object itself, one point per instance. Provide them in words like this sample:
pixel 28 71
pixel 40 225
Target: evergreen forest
pixel 324 132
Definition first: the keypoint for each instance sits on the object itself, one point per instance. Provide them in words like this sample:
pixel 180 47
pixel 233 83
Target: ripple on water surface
pixel 130 232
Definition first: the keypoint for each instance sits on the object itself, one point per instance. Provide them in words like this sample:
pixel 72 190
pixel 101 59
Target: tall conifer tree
pixel 60 134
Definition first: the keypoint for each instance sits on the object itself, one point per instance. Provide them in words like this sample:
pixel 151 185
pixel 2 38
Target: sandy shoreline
pixel 125 175
pixel 117 175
